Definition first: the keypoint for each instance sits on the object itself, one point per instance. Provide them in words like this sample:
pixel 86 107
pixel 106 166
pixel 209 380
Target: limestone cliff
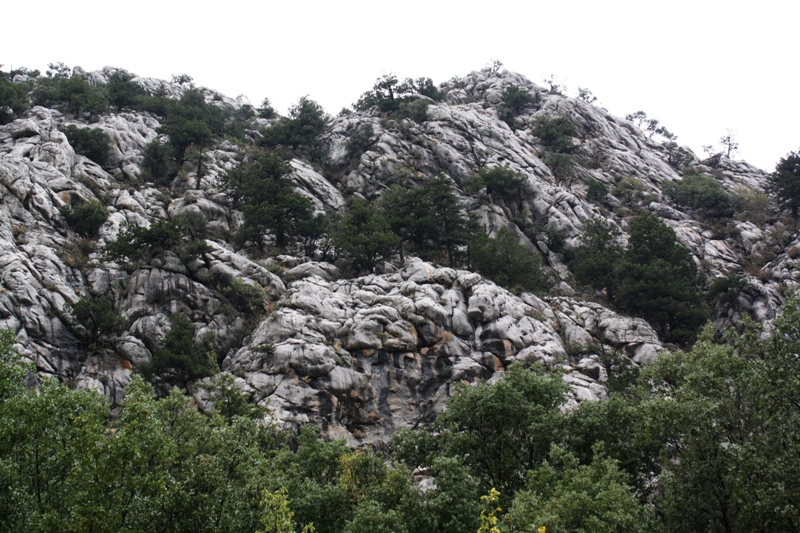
pixel 360 357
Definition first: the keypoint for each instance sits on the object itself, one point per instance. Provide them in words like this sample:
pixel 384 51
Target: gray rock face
pixel 360 357
pixel 381 352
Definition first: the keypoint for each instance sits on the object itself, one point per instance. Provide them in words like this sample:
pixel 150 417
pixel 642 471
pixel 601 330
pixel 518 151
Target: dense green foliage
pixel 401 100
pixel 98 316
pixel 301 130
pixel 508 263
pixel 69 93
pixel 654 278
pixel 703 194
pixel 86 218
pixel 271 207
pixel 124 93
pixel 429 220
pixel 13 98
pixel 364 237
pixel 514 102
pixel 501 185
pixel 784 183
pixel 184 235
pixel 157 160
pixel 179 360
pixel 555 134
pixel 700 441
pixel 93 143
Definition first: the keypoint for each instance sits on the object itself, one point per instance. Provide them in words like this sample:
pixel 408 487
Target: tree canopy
pixel 784 183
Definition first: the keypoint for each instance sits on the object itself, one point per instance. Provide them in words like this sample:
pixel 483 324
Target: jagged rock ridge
pixel 359 356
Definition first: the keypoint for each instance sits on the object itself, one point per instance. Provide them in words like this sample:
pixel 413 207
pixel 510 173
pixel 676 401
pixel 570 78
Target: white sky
pixel 699 66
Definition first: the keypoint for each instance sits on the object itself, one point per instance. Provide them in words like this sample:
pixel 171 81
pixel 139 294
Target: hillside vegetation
pixel 445 300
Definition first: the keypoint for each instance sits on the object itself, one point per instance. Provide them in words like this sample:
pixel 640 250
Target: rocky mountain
pixel 360 356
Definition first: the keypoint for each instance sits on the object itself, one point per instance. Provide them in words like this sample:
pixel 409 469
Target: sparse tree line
pixel 704 440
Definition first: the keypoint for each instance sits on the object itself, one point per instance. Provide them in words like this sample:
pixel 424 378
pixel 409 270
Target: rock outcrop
pixel 360 357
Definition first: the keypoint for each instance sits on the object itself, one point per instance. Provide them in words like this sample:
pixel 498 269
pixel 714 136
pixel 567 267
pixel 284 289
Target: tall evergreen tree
pixel 785 183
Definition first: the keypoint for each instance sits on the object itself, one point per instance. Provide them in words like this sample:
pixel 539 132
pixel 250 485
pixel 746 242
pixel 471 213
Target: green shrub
pixel 364 237
pixel 301 131
pixel 13 98
pixel 508 263
pixel 561 166
pixel 157 160
pixel 501 184
pixel 429 220
pixel 183 235
pixel 703 194
pixel 178 360
pixel 596 191
pixel 555 134
pixel 270 206
pixel 86 218
pixel 124 93
pixel 98 316
pixel 726 289
pixel 93 143
pixel 71 94
pixel 360 141
pixel 515 99
pixel 752 205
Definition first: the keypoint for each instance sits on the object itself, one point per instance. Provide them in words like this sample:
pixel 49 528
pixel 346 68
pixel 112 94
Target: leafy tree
pixel 594 262
pixel 364 237
pixel 13 98
pixel 178 359
pixel 98 316
pixel 564 496
pixel 659 281
pixel 596 191
pixel 654 278
pixel 586 95
pixel 266 110
pixel 12 367
pixel 726 289
pixel 508 263
pixel 555 134
pixel 301 131
pixel 514 101
pixel 93 143
pixel 703 194
pixel 784 183
pixel 191 122
pixel 360 141
pixel 72 94
pixel 429 219
pixel 86 218
pixel 389 95
pixel 157 160
pixel 498 431
pixel 501 184
pixel 270 206
pixel 652 126
pixel 124 93
pixel 561 166
pixel 184 234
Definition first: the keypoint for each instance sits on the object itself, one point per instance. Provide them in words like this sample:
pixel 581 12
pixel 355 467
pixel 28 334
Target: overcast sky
pixel 700 67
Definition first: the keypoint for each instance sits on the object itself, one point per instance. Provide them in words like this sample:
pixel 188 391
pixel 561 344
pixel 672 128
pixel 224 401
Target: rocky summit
pixel 359 353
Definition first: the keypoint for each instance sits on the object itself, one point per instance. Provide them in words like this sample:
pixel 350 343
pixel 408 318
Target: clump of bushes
pixel 99 317
pixel 184 234
pixel 703 194
pixel 508 263
pixel 93 143
pixel 515 99
pixel 85 218
pixel 178 360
